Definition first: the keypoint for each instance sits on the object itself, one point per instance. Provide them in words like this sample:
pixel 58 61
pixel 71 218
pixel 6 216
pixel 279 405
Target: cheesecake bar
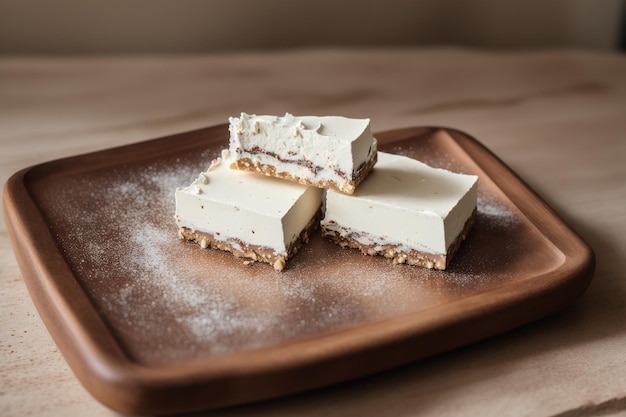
pixel 328 152
pixel 405 210
pixel 256 217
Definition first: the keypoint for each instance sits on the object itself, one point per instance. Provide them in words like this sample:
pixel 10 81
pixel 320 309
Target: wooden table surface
pixel 558 118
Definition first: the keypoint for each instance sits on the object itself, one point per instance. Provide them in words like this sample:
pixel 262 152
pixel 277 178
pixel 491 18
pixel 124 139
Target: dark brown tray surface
pixel 151 324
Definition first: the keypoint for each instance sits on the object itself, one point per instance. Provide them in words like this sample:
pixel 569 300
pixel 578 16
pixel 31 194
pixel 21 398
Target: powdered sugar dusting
pixel 169 300
pixel 496 212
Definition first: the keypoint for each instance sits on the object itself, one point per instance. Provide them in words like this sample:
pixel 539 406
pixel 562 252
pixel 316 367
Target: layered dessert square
pixel 328 152
pixel 405 210
pixel 253 216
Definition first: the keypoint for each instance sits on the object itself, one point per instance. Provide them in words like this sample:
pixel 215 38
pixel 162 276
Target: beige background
pixel 164 26
pixel 555 117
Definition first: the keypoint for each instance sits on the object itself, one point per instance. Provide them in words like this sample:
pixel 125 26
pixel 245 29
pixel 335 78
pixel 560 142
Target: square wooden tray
pixel 153 325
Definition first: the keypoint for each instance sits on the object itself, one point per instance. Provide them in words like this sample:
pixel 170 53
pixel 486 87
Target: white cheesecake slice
pixel 327 152
pixel 405 210
pixel 252 216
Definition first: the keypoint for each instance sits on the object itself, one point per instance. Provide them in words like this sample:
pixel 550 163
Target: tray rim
pixel 98 360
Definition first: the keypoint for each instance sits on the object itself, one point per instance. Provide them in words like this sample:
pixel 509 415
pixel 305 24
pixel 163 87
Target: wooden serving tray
pixel 153 325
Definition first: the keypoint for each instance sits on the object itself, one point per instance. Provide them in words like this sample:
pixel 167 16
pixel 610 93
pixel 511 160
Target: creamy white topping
pixel 254 209
pixel 329 148
pixel 404 202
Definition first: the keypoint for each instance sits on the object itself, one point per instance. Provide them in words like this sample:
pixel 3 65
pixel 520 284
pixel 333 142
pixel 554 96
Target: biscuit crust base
pixel 347 187
pixel 412 257
pixel 252 253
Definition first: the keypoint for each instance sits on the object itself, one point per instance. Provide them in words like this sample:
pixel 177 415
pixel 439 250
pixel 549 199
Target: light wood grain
pixel 558 118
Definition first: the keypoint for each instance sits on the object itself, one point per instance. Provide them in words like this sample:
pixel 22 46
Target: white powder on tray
pixel 170 300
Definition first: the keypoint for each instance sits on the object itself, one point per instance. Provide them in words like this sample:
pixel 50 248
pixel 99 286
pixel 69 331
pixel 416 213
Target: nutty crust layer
pixel 252 252
pixel 348 187
pixel 413 257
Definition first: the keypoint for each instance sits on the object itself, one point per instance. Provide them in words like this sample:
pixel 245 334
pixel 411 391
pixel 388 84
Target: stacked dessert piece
pixel 324 168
